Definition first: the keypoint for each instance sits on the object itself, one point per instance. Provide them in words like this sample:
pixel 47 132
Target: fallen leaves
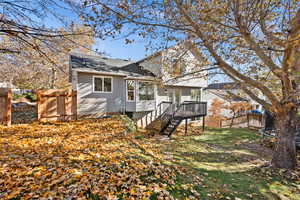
pixel 100 159
pixel 89 159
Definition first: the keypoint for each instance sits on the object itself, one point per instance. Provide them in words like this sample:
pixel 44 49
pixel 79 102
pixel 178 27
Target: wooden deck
pixel 174 114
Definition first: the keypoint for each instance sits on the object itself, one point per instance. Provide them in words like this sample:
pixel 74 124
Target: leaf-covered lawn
pixel 98 159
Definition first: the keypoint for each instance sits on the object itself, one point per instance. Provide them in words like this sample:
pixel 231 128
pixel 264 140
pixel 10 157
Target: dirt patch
pixel 258 149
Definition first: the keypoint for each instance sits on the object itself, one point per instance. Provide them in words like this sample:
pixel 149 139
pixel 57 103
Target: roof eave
pixel 100 73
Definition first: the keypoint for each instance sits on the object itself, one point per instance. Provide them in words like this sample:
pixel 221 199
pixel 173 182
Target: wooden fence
pixel 250 120
pixel 255 121
pixel 213 122
pixel 5 106
pixel 57 105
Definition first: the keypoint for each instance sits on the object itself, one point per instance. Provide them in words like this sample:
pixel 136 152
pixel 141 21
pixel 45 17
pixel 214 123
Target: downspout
pixel 125 90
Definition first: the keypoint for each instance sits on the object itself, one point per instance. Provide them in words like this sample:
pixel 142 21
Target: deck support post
pixel 203 123
pixel 160 109
pixel 186 126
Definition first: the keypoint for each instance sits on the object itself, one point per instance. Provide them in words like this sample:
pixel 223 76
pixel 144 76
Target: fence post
pixel 39 104
pixel 74 104
pixel 5 106
pixel 8 107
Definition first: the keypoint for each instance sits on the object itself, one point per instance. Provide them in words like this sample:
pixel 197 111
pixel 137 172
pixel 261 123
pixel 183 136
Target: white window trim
pixel 111 78
pixel 134 91
pixel 138 90
pixel 200 96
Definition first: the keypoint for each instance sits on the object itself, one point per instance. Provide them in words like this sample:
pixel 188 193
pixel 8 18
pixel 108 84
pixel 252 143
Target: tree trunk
pixel 285 151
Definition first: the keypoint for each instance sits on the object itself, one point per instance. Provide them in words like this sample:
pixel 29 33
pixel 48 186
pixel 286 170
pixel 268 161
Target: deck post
pixel 248 123
pixel 146 119
pixel 186 123
pixel 160 109
pixel 203 123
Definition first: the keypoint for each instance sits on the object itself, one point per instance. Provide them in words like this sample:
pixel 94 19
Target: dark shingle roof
pixel 226 95
pixel 92 64
pixel 223 86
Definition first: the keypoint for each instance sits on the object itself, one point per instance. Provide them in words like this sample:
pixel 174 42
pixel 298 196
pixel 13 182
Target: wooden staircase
pixel 167 116
pixel 152 119
pixel 175 114
pixel 171 126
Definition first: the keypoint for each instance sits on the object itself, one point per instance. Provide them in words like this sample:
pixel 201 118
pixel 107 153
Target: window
pixel 196 94
pixel 130 84
pixel 178 67
pixel 102 84
pixel 146 91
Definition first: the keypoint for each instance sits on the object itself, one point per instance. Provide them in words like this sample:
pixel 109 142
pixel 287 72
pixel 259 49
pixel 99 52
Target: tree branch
pixel 224 65
pixel 252 44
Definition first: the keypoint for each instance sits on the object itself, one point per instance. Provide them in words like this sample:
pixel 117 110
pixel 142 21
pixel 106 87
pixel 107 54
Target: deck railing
pixel 190 109
pixel 187 109
pixel 152 115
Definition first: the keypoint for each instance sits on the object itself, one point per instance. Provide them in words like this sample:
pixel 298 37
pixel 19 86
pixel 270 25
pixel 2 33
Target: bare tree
pixel 28 70
pixel 23 25
pixel 34 54
pixel 255 42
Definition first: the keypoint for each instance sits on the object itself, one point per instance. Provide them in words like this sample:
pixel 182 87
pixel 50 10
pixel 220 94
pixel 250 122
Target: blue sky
pixel 118 49
pixel 115 48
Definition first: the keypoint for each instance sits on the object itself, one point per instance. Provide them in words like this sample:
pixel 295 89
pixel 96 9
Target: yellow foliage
pixel 77 160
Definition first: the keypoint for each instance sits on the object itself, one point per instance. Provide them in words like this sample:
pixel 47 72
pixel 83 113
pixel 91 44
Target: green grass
pixel 218 165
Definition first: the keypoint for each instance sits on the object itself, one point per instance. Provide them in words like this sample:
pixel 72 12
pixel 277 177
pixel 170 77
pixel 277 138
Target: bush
pixel 28 95
pixel 269 142
pixel 129 123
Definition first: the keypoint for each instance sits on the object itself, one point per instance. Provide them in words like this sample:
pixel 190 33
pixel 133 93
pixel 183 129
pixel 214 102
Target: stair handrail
pixel 166 117
pixel 160 104
pixel 156 109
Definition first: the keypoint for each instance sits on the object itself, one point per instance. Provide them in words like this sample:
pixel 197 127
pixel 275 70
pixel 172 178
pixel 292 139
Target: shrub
pixel 28 95
pixel 129 123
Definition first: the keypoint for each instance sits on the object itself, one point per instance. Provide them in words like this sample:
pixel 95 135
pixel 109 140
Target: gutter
pixel 97 72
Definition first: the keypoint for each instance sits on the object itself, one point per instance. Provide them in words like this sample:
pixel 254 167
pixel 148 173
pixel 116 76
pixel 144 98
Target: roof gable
pixel 95 64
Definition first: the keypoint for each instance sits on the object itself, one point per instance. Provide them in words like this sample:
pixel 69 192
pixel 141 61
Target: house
pixel 6 85
pixel 106 85
pixel 222 92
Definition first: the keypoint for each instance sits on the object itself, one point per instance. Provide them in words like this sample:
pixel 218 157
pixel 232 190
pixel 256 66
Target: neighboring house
pixel 6 85
pixel 106 85
pixel 222 91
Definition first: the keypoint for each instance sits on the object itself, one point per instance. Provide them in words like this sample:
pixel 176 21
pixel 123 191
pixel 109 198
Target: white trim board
pixel 93 85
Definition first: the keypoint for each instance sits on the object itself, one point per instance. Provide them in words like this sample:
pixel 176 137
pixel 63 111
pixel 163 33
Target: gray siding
pixel 145 106
pixel 97 104
pixel 130 106
pixel 162 94
pixel 138 105
pixel 90 103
